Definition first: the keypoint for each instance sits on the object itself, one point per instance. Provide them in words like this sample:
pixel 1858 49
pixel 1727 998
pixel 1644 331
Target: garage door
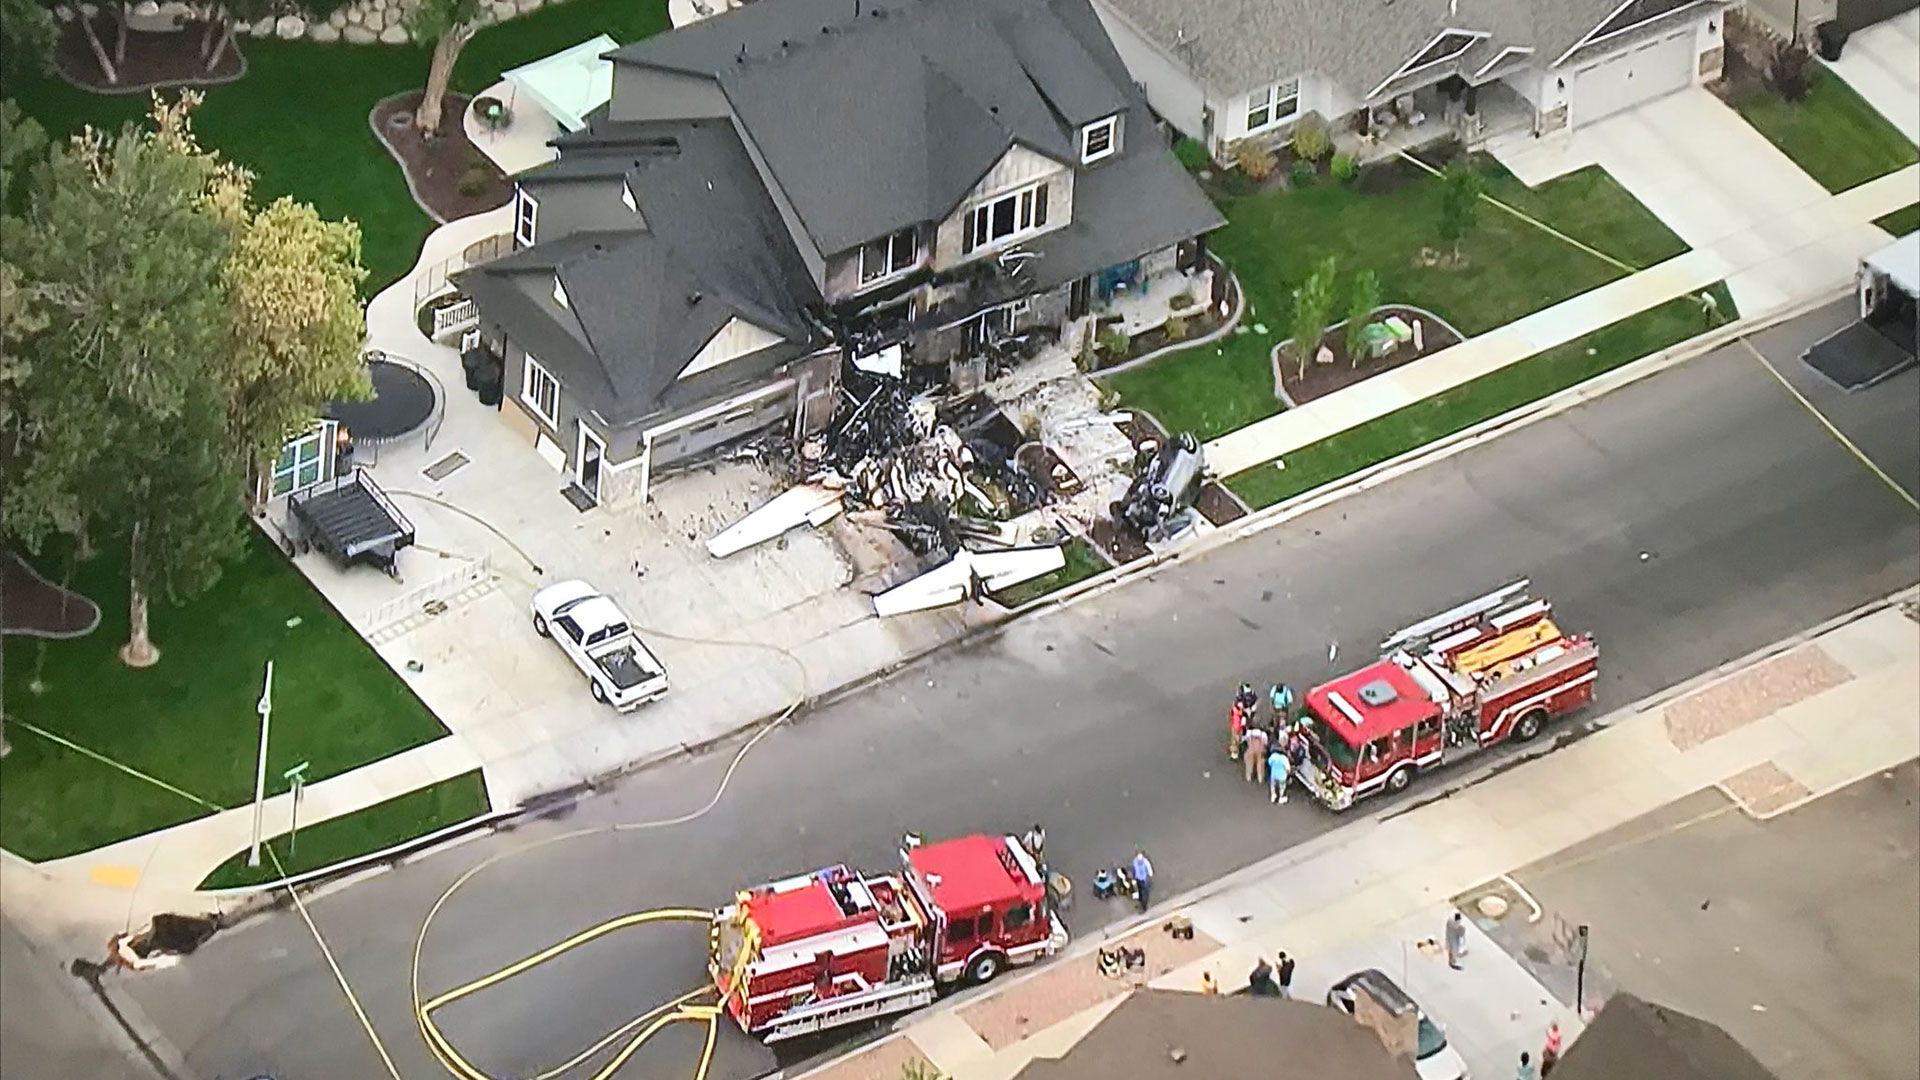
pixel 1636 74
pixel 692 440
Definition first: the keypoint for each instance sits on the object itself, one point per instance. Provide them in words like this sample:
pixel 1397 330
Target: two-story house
pixel 783 187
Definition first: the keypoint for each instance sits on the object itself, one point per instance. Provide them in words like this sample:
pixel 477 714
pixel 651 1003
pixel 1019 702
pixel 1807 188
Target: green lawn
pixel 190 719
pixel 1482 399
pixel 1902 221
pixel 1511 269
pixel 1833 133
pixel 299 117
pixel 1083 562
pixel 376 828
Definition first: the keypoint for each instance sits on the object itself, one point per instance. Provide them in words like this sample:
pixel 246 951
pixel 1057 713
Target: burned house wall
pixel 572 206
pixel 644 93
pixel 1016 169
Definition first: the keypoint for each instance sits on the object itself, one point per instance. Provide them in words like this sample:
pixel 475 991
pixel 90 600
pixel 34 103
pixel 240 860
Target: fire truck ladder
pixel 870 1004
pixel 1472 613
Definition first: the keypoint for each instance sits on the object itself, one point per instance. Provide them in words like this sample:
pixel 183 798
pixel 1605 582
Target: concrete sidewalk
pixel 1772 732
pixel 1823 239
pixel 1882 64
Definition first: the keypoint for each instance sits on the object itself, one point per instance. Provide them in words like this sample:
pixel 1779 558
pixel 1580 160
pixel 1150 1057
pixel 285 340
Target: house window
pixel 525 216
pixel 888 256
pixel 540 391
pixel 1269 105
pixel 1017 311
pixel 298 467
pixel 1010 215
pixel 1099 139
pixel 560 292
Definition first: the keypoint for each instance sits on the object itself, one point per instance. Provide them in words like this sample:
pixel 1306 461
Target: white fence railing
pixel 421 602
pixel 455 317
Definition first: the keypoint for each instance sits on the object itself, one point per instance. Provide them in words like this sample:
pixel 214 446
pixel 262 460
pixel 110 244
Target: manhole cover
pixel 1493 907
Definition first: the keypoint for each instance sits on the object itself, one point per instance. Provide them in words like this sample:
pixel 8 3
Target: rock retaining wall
pixel 362 22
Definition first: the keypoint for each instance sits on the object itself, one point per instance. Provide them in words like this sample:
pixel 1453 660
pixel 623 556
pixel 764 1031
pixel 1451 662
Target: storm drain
pixel 446 466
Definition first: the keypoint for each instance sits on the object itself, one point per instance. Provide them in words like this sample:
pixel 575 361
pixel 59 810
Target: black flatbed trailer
pixel 352 520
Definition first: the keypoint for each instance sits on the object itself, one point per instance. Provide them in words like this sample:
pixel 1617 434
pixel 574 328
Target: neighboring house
pixel 1631 1037
pixel 785 186
pixel 1398 72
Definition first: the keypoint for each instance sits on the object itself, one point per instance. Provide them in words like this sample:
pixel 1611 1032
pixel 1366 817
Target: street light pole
pixel 265 709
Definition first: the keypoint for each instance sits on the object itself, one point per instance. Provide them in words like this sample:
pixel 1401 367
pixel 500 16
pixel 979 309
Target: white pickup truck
pixel 595 635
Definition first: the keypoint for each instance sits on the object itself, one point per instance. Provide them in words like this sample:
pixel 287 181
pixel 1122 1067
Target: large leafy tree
pixel 28 34
pixel 449 24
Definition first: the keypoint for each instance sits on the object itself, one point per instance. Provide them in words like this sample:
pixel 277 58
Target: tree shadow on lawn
pixel 190 720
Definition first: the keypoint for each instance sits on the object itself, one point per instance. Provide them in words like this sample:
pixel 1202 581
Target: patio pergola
pixel 569 84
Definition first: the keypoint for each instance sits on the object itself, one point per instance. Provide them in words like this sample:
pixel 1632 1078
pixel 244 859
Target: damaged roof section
pixel 650 298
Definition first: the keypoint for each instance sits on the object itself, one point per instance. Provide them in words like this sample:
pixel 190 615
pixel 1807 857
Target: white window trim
pixel 317 435
pixel 1111 125
pixel 887 272
pixel 1269 98
pixel 1594 36
pixel 526 218
pixel 1408 68
pixel 1019 232
pixel 528 395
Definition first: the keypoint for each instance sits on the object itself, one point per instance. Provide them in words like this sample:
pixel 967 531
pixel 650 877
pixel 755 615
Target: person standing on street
pixel 1526 1070
pixel 1276 774
pixel 1142 877
pixel 1456 940
pixel 1281 696
pixel 1208 986
pixel 1260 980
pixel 1550 1054
pixel 1236 731
pixel 1254 757
pixel 1286 976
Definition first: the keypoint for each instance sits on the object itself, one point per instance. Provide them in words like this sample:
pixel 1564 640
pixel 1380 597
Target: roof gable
pixel 736 339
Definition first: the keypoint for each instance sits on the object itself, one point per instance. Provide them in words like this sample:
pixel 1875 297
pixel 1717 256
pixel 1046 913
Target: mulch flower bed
pixel 1323 379
pixel 153 58
pixel 1046 468
pixel 37 607
pixel 1218 505
pixel 435 167
pixel 1198 325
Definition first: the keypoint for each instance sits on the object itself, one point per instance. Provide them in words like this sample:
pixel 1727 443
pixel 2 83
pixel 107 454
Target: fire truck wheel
pixel 540 626
pixel 984 967
pixel 1529 726
pixel 1398 780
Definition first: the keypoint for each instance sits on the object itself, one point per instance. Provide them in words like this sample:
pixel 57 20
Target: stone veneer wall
pixel 362 22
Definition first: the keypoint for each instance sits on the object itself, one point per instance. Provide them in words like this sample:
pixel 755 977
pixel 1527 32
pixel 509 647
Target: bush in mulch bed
pixel 1323 379
pixel 450 177
pixel 153 59
pixel 1114 349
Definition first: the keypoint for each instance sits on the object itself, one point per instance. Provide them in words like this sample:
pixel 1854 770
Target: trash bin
pixel 1832 37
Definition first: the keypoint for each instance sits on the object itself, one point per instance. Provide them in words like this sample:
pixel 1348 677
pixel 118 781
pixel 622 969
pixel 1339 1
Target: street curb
pixel 1344 834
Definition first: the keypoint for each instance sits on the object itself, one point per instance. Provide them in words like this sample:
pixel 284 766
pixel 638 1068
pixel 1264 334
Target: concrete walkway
pixel 1772 732
pixel 1826 235
pixel 1882 63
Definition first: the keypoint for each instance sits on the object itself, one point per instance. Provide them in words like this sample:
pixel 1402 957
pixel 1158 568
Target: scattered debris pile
pixel 1159 504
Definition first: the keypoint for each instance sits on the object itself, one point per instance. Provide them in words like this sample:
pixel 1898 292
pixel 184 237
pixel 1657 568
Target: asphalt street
pixel 1686 520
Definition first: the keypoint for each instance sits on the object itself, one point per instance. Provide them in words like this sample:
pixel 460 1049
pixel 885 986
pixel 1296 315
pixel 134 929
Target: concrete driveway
pixel 1721 186
pixel 1883 63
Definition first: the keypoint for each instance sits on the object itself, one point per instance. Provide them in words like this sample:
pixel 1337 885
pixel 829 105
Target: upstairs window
pixel 526 216
pixel 1099 139
pixel 1010 215
pixel 1271 105
pixel 888 256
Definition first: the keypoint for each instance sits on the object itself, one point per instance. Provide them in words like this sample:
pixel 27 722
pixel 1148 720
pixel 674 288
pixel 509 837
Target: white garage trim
pixel 1632 76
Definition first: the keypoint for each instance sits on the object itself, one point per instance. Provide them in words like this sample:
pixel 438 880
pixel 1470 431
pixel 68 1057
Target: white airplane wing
pixel 806 504
pixel 954 580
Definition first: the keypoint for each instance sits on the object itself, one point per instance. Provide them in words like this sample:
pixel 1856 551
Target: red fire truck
pixel 838 946
pixel 1491 669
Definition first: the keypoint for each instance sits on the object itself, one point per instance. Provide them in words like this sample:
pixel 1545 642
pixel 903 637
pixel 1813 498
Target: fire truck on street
pixel 838 946
pixel 1492 669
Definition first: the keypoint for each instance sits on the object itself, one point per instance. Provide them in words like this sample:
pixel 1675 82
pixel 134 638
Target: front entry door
pixel 587 462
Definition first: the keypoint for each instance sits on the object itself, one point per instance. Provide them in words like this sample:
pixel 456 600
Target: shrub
pixel 1176 327
pixel 1114 342
pixel 1310 139
pixel 1360 305
pixel 1344 168
pixel 1192 155
pixel 1301 174
pixel 1255 160
pixel 1179 301
pixel 1790 70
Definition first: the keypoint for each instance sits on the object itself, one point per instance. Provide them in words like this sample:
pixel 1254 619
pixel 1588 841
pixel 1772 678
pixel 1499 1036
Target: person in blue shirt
pixel 1282 698
pixel 1277 770
pixel 1142 877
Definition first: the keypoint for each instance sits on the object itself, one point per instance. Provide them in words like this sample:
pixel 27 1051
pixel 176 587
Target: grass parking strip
pixel 1484 398
pixel 1901 221
pixel 1833 134
pixel 349 836
pixel 1083 562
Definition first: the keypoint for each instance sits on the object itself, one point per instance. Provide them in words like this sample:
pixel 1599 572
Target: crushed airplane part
pixel 969 575
pixel 807 504
pixel 1159 503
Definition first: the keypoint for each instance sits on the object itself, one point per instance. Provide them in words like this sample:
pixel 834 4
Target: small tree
pixel 1790 70
pixel 1310 139
pixel 449 24
pixel 1461 186
pixel 1312 305
pixel 1366 297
